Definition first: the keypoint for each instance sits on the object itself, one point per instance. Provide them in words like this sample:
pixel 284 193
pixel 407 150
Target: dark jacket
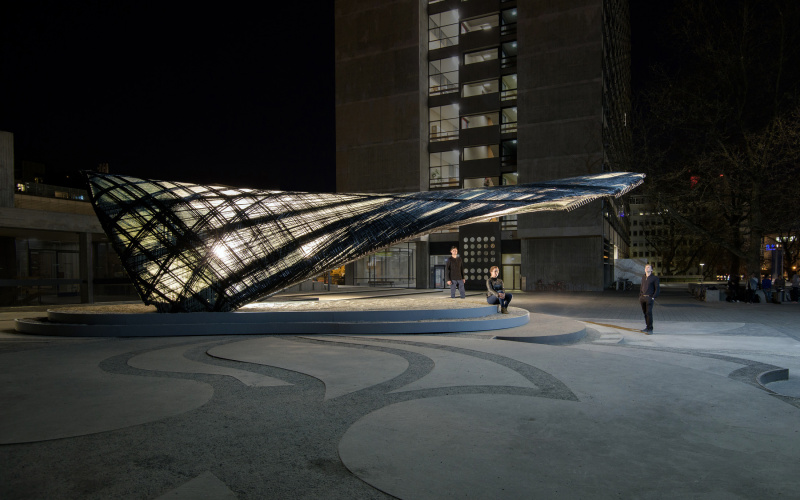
pixel 454 269
pixel 493 286
pixel 650 286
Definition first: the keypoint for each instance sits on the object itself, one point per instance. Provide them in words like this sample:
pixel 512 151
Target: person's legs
pixel 453 286
pixel 492 299
pixel 507 300
pixel 461 289
pixel 647 311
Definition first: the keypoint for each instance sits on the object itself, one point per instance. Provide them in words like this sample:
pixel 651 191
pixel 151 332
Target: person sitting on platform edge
pixel 647 297
pixel 454 273
pixel 496 292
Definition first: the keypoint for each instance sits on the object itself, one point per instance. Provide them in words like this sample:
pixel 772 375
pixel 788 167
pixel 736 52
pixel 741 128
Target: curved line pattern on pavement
pixel 172 359
pixel 66 393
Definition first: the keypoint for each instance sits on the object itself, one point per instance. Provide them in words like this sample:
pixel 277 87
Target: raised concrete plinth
pixel 546 329
pixel 369 316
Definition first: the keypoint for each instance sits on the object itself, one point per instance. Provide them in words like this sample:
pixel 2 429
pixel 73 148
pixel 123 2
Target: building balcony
pixel 475 8
pixel 479 71
pixel 487 167
pixel 480 135
pixel 445 183
pixel 443 52
pixel 479 39
pixel 480 103
pixel 449 88
pixel 508 130
pixel 443 135
pixel 439 6
pixel 442 146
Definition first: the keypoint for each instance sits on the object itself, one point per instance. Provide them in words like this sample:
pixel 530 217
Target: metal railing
pixel 508 95
pixel 444 183
pixel 448 88
pixel 508 29
pixel 443 135
pixel 51 191
pixel 508 127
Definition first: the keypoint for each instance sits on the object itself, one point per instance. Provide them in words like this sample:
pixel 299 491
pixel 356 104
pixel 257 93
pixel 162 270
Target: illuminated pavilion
pixel 191 248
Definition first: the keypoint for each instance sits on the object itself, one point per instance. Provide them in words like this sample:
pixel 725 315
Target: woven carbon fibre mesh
pixel 190 248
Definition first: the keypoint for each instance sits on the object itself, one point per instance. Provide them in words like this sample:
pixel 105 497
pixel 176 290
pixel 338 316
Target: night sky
pixel 225 95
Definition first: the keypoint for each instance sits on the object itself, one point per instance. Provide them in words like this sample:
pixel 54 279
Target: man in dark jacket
pixel 647 297
pixel 454 273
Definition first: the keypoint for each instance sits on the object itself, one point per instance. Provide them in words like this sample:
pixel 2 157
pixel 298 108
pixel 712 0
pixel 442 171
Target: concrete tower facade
pixel 445 94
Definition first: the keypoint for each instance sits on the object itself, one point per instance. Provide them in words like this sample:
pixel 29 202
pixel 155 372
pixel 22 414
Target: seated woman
pixel 496 292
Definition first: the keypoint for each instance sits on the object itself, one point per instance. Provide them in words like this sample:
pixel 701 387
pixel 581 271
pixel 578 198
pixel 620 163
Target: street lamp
pixel 701 272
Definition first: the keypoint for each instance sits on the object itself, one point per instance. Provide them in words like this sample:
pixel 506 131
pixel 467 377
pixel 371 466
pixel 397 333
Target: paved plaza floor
pixel 689 412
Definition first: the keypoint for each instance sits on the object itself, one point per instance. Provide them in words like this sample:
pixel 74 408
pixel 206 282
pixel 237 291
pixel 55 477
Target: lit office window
pixel 476 182
pixel 479 120
pixel 508 55
pixel 443 123
pixel 509 120
pixel 508 222
pixel 443 30
pixel 480 23
pixel 481 152
pixel 480 56
pixel 510 179
pixel 444 170
pixel 509 88
pixel 443 76
pixel 508 22
pixel 480 88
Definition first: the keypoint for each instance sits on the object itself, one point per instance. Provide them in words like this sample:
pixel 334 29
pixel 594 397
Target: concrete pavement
pixel 679 414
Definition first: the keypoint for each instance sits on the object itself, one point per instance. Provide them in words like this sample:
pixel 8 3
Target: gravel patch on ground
pixel 399 303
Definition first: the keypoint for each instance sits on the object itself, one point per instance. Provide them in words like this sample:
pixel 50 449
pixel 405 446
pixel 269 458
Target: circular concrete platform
pixel 546 329
pixel 368 316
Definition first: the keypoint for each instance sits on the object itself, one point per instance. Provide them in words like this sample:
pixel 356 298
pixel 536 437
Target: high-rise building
pixel 445 94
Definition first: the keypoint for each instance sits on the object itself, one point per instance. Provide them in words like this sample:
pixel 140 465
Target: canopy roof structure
pixel 191 248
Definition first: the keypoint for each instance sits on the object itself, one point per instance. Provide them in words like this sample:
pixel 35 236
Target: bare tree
pixel 719 132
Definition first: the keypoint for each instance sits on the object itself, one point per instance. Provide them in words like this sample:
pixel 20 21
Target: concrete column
pixel 350 273
pixel 423 264
pixel 6 169
pixel 8 270
pixel 86 267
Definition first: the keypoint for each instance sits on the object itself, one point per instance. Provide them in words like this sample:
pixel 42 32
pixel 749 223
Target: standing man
pixel 779 284
pixel 647 297
pixel 752 288
pixel 454 273
pixel 766 285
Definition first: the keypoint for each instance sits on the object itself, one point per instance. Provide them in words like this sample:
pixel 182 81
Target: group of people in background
pixel 775 290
